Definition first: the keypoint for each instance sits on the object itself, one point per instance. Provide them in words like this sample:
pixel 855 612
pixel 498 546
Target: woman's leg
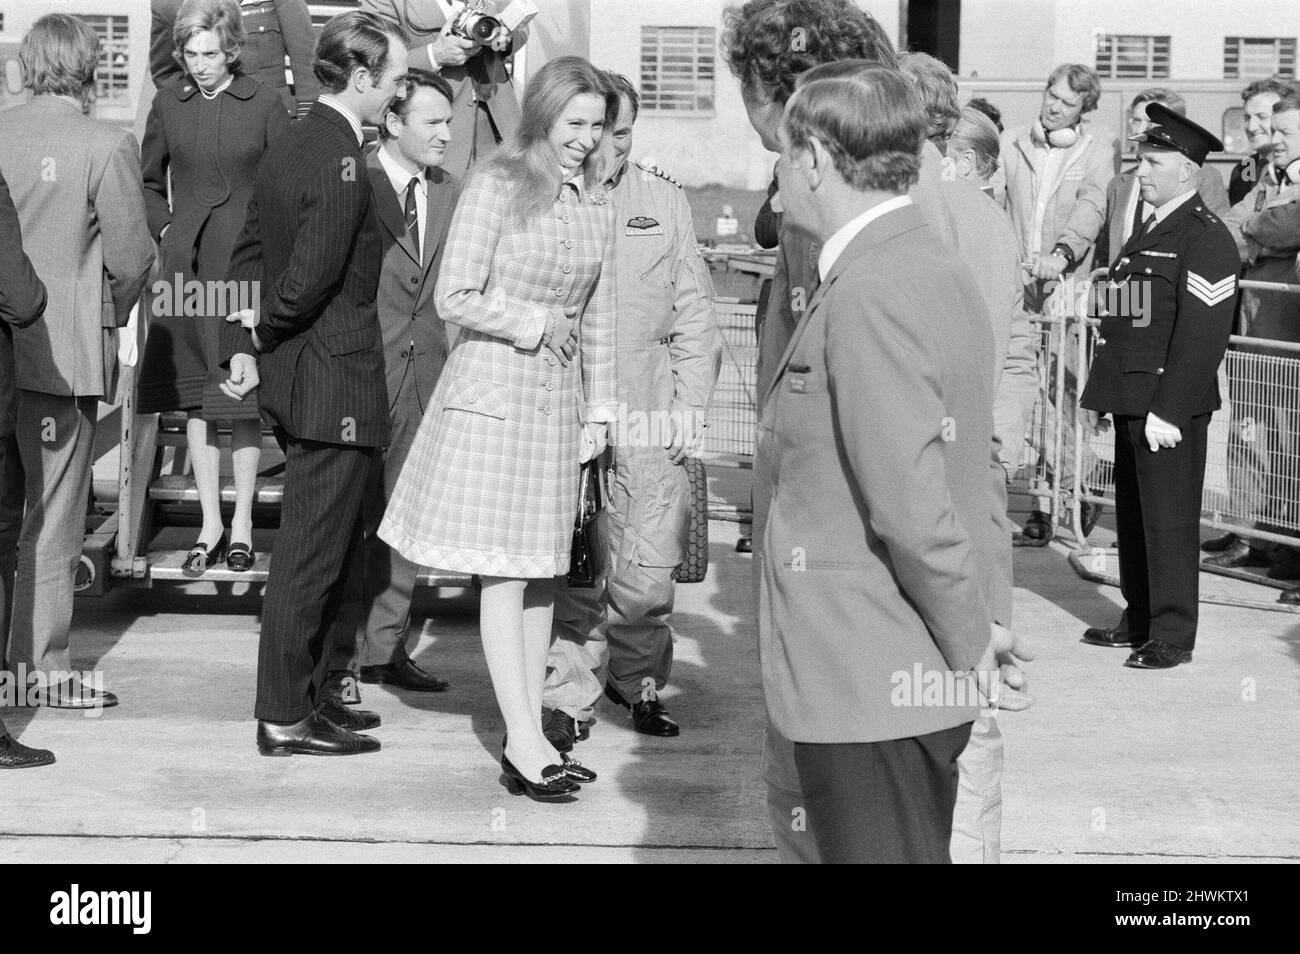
pixel 501 623
pixel 205 459
pixel 539 608
pixel 246 447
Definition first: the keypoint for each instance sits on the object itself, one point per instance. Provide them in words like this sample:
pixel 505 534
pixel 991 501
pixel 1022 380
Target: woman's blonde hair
pixel 528 163
pixel 222 17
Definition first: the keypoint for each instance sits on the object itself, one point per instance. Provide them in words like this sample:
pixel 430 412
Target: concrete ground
pixel 1112 765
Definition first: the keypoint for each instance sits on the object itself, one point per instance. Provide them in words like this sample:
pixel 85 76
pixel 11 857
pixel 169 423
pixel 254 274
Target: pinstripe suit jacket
pixel 22 300
pixel 77 187
pixel 311 241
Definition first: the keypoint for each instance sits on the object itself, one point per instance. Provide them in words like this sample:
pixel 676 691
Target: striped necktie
pixel 413 216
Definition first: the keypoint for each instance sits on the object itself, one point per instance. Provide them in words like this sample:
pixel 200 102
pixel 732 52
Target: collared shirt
pixel 348 114
pixel 401 180
pixel 1049 180
pixel 837 243
pixel 1163 212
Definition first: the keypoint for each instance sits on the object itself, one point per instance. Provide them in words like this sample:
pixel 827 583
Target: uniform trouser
pixel 11 525
pixel 622 623
pixel 1157 517
pixel 976 816
pixel 55 439
pixel 375 614
pixel 888 802
pixel 320 534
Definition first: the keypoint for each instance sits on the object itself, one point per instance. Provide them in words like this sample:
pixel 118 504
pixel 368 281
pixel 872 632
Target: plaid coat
pixel 490 485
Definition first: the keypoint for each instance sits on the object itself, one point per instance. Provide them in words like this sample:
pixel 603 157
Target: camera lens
pixel 484 28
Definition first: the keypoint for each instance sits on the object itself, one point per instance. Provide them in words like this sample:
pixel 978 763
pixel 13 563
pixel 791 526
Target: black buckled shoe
pixel 555 785
pixel 314 735
pixel 1112 637
pixel 1158 654
pixel 354 720
pixel 560 729
pixel 202 558
pixel 15 755
pixel 576 770
pixel 404 675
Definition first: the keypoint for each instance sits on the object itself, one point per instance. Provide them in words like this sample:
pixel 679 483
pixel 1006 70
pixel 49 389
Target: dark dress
pixel 212 149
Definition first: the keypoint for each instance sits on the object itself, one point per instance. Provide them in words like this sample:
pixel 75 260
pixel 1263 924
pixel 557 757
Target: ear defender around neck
pixel 1057 138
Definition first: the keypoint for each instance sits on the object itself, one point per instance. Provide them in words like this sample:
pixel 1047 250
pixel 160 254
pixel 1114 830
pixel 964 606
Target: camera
pixel 470 22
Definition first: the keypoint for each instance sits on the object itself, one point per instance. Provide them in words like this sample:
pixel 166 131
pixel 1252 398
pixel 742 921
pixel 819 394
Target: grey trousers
pixel 55 436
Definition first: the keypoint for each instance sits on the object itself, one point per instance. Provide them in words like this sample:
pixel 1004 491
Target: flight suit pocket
pixel 477 397
pixel 651 494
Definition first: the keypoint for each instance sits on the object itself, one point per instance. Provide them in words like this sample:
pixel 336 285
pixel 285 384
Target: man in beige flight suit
pixel 669 353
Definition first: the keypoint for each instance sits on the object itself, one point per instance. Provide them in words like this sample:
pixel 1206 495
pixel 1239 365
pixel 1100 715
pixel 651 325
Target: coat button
pixel 567 269
pixel 405 352
pixel 559 291
pixel 1148 271
pixel 547 409
pixel 472 399
pixel 1123 261
pixel 1160 370
pixel 1100 342
pixel 550 386
pixel 415 279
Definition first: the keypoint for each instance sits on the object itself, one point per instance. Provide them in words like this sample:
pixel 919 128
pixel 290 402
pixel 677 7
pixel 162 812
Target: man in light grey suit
pixel 77 187
pixel 414 199
pixel 877 555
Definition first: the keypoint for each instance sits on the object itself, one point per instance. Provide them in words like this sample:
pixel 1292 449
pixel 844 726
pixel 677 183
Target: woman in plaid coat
pixel 490 485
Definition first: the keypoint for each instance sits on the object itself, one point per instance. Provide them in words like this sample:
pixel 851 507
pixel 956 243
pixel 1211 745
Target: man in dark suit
pixel 414 199
pixel 874 566
pixel 1257 99
pixel 22 301
pixel 484 108
pixel 1155 370
pixel 311 241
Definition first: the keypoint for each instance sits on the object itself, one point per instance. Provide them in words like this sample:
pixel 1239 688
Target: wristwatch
pixel 1063 250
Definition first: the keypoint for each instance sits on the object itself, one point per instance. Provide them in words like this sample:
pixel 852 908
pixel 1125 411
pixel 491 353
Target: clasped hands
pixel 243 367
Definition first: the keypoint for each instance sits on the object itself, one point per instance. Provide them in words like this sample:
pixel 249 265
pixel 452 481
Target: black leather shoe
pixel 1112 637
pixel 72 693
pixel 576 770
pixel 1290 596
pixel 354 720
pixel 1158 654
pixel 405 675
pixel 560 729
pixel 15 755
pixel 1286 565
pixel 1037 531
pixel 745 545
pixel 314 735
pixel 1238 554
pixel 555 784
pixel 1219 544
pixel 341 685
pixel 649 717
pixel 202 558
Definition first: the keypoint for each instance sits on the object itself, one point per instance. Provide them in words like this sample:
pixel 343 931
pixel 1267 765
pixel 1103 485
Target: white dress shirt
pixel 401 179
pixel 837 243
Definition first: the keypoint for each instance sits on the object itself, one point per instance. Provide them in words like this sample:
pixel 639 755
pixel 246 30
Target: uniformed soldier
pixel 1169 311
pixel 669 353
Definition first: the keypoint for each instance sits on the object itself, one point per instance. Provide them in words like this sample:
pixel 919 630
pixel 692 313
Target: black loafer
pixel 1112 637
pixel 404 675
pixel 15 755
pixel 649 717
pixel 1219 544
pixel 745 545
pixel 354 720
pixel 314 735
pixel 1158 654
pixel 72 693
pixel 1238 554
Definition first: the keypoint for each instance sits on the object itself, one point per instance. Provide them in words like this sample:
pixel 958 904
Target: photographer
pixel 485 110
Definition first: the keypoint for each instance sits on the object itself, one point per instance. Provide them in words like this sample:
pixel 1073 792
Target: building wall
pixel 19 15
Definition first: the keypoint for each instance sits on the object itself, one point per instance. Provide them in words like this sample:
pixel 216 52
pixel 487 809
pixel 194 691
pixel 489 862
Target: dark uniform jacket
pixel 1164 357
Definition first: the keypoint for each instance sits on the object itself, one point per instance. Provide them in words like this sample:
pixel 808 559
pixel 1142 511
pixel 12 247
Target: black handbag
pixel 587 557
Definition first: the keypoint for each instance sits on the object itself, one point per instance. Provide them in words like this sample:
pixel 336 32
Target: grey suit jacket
pixel 415 338
pixel 22 300
pixel 77 186
pixel 876 437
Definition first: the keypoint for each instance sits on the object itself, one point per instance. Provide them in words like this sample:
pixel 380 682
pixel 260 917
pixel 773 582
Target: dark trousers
pixel 1157 516
pixel 11 525
pixel 320 531
pixel 885 802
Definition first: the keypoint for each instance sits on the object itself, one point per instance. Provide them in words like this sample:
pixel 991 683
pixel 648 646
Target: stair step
pixel 180 488
pixel 166 565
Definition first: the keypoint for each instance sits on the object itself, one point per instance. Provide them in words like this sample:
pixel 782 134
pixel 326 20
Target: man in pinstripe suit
pixel 311 239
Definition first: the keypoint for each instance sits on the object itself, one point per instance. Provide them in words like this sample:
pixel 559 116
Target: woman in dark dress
pixel 208 132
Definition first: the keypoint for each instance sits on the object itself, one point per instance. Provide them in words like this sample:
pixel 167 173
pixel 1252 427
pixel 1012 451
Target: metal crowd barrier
pixel 733 416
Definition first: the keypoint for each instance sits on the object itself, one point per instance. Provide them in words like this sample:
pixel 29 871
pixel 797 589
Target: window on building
pixel 113 74
pixel 1255 57
pixel 678 66
pixel 1129 56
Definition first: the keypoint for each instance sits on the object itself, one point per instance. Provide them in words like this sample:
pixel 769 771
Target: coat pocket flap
pixel 1150 363
pixel 477 397
pixel 347 342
